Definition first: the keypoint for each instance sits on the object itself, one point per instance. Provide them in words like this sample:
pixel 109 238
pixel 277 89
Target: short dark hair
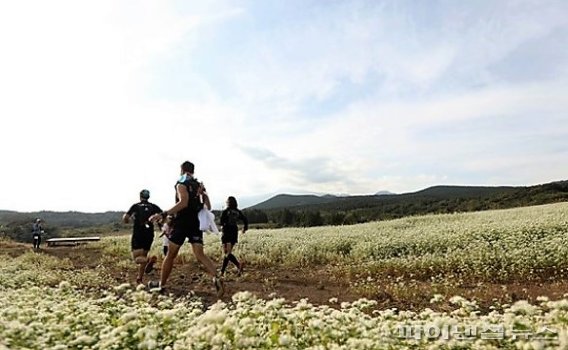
pixel 145 194
pixel 188 167
pixel 232 202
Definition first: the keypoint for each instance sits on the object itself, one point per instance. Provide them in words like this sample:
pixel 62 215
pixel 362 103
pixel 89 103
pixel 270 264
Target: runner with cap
pixel 142 232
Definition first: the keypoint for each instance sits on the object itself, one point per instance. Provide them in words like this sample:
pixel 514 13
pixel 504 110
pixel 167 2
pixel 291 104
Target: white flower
pixel 129 316
pixel 285 340
pixel 64 285
pixel 522 307
pixel 123 287
pixel 436 299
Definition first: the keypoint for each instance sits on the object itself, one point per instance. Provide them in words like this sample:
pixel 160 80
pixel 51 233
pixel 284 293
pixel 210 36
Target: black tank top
pixel 188 215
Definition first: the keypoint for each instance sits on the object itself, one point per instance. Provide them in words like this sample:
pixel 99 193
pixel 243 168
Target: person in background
pixel 166 233
pixel 142 232
pixel 230 236
pixel 37 231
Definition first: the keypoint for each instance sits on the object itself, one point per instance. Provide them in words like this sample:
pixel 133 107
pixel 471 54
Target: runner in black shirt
pixel 229 219
pixel 142 231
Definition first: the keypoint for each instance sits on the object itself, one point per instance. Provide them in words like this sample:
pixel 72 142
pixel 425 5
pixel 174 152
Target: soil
pixel 318 284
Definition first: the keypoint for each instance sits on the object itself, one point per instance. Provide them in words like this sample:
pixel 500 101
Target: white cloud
pixel 82 119
pixel 371 139
pixel 82 133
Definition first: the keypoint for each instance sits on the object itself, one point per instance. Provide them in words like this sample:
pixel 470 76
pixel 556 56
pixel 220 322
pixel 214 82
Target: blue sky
pixel 102 99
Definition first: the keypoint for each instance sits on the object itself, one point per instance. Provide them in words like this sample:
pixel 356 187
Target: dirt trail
pixel 189 277
pixel 317 284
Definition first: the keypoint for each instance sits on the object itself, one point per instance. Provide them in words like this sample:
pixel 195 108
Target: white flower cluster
pixel 62 317
pixel 45 304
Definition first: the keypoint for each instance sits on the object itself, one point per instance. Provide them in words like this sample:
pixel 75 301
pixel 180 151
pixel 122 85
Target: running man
pixel 186 225
pixel 142 231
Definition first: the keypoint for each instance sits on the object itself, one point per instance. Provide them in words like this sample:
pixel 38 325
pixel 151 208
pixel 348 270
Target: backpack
pixel 194 203
pixel 36 228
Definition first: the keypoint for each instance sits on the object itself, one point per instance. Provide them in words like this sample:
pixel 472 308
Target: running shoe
pixel 241 268
pixel 150 265
pixel 219 287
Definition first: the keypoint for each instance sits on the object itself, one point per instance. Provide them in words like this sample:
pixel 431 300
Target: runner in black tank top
pixel 186 225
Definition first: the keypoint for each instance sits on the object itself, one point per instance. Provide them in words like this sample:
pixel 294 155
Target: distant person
pixel 186 225
pixel 142 232
pixel 166 233
pixel 230 237
pixel 37 231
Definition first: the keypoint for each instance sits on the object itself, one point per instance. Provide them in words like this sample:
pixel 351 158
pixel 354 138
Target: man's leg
pixel 140 257
pixel 209 266
pixel 204 259
pixel 168 263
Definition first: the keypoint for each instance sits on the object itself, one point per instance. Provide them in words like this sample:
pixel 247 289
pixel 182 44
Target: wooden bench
pixel 71 241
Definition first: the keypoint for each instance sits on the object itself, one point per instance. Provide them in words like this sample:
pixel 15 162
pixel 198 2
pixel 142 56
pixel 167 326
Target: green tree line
pixel 362 209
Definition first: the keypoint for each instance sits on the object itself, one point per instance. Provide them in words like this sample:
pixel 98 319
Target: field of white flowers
pixel 47 304
pixel 516 243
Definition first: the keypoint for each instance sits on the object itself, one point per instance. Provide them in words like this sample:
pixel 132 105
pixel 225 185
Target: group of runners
pixel 180 223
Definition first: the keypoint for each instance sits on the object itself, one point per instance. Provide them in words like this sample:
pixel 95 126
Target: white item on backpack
pixel 207 221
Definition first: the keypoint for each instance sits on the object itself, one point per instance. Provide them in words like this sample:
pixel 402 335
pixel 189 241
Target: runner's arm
pixel 126 217
pixel 245 221
pixel 206 201
pixel 224 217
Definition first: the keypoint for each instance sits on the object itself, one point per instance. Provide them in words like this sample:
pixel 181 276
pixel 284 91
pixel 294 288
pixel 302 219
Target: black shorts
pixel 230 235
pixel 189 230
pixel 142 240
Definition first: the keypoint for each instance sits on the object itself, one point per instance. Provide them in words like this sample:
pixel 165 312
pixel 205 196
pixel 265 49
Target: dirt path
pixel 317 284
pixel 14 249
pixel 188 277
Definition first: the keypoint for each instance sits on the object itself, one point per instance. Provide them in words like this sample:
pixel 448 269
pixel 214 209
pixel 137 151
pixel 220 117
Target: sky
pixel 100 99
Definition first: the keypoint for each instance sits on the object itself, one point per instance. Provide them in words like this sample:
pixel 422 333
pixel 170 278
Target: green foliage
pixel 435 200
pixel 18 226
pixel 256 216
pixel 63 219
pixel 307 211
pixel 21 230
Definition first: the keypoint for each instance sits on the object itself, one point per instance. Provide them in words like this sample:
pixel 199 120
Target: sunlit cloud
pixel 102 99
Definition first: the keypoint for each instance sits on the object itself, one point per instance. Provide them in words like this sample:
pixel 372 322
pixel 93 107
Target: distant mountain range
pixel 382 205
pixel 384 193
pixel 555 191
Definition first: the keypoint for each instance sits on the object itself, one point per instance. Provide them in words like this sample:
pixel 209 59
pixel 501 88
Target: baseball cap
pixel 144 194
